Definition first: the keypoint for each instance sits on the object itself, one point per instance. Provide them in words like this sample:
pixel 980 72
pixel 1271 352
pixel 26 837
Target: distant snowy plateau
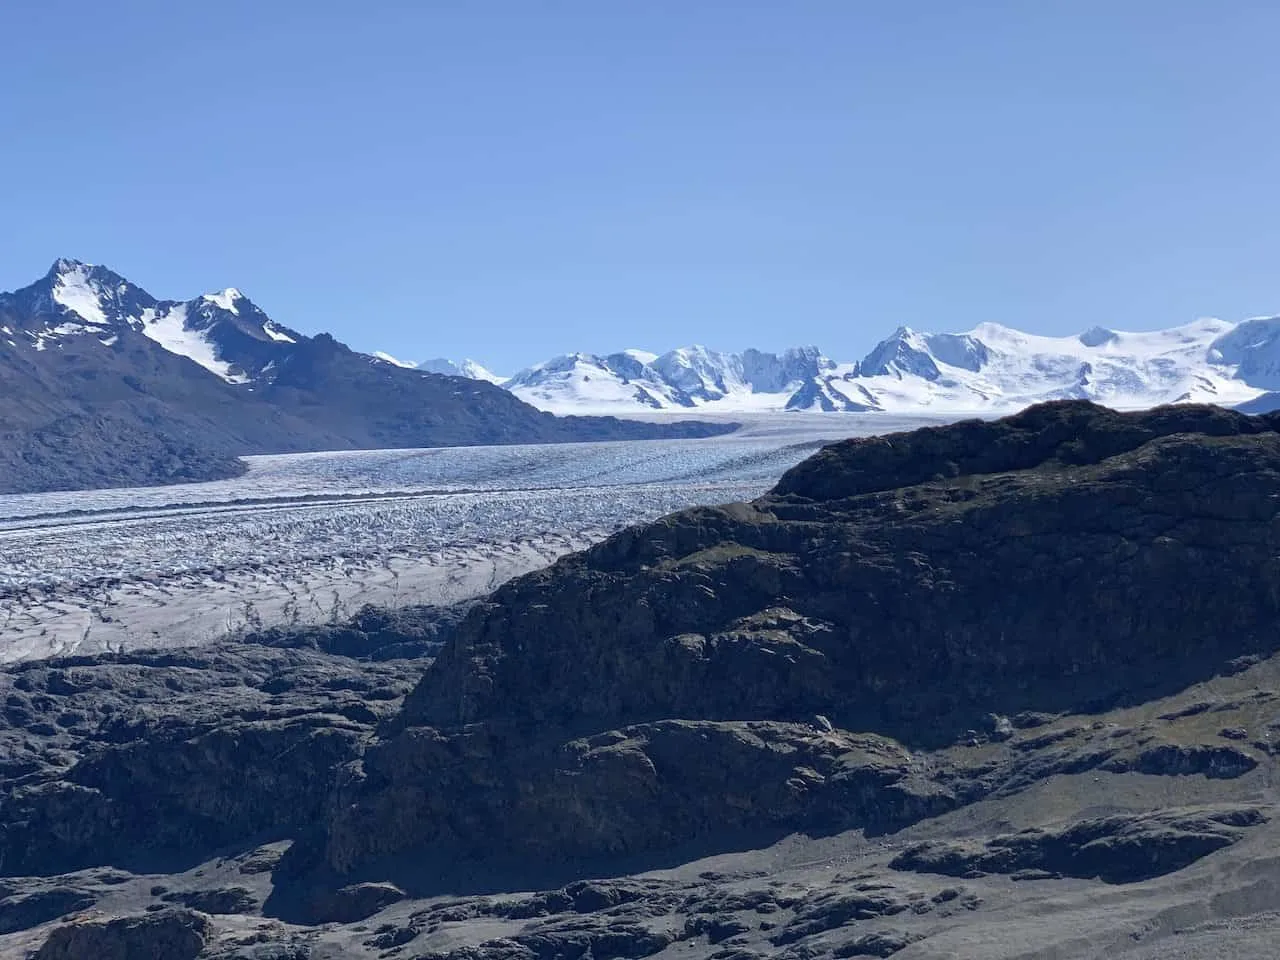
pixel 991 369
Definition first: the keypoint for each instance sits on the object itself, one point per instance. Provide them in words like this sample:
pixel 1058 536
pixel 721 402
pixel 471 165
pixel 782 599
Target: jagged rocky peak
pixel 68 269
pixel 830 396
pixel 907 353
pixel 699 372
pixel 84 293
pixel 239 316
pixel 225 332
pixel 904 353
pixel 793 368
pixel 225 299
pixel 684 377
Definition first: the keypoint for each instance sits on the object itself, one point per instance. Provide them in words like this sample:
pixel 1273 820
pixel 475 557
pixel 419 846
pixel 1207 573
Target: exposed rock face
pixel 171 934
pixel 20 910
pixel 356 902
pixel 1068 558
pixel 1119 849
pixel 122 759
pixel 624 791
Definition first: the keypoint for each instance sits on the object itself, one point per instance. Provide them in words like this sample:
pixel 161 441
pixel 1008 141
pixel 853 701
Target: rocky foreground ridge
pixel 991 689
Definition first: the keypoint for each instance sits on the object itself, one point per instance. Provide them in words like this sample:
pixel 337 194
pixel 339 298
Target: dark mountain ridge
pixel 104 385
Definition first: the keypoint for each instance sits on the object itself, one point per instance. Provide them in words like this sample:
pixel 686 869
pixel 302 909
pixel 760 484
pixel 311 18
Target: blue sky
pixel 510 179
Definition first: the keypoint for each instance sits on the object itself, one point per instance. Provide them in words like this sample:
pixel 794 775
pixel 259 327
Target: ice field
pixel 310 537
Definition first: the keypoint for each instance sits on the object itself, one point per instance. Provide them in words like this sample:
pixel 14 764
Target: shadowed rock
pixel 1120 849
pixel 18 911
pixel 172 934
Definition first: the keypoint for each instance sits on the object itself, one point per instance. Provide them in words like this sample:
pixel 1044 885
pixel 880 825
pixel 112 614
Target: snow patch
pixel 388 358
pixel 584 382
pixel 279 336
pixel 168 328
pixel 450 368
pixel 75 291
pixel 469 368
pixel 226 300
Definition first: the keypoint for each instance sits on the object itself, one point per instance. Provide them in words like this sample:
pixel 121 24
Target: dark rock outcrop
pixel 147 756
pixel 224 900
pixel 20 910
pixel 355 902
pixel 373 633
pixel 1069 558
pixel 172 934
pixel 1119 849
pixel 1044 587
pixel 625 791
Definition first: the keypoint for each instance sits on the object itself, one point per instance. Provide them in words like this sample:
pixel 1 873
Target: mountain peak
pixel 85 289
pixel 73 270
pixel 67 265
pixel 226 299
pixel 997 332
pixel 388 358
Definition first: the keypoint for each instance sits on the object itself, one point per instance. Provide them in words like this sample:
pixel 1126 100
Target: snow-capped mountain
pixel 686 378
pixel 103 384
pixel 989 369
pixel 449 368
pixel 224 332
pixel 623 380
pixel 996 368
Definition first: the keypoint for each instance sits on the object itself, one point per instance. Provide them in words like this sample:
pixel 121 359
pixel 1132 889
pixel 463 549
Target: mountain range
pixel 989 369
pixel 105 385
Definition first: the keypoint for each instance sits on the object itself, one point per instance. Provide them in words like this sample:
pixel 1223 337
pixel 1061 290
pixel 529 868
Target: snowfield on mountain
pixel 991 369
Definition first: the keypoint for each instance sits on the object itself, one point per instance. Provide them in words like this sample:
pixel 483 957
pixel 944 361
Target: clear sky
pixel 510 179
